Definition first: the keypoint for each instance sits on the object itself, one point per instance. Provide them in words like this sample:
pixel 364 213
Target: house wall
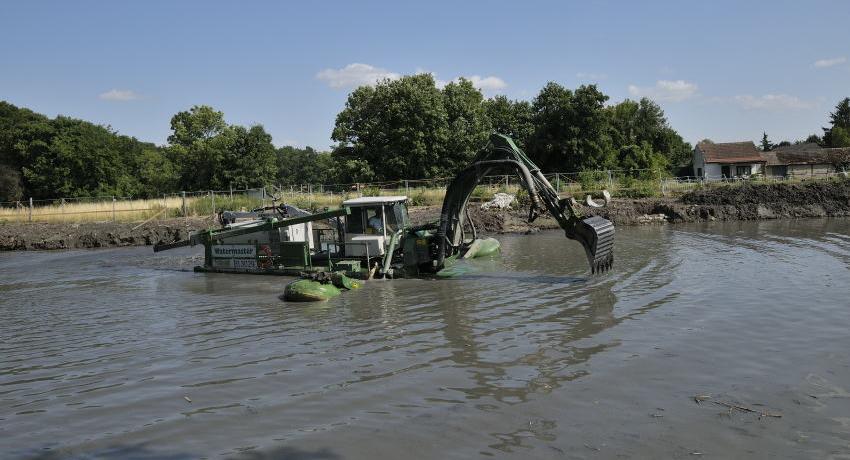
pixel 809 170
pixel 712 171
pixel 776 171
pixel 699 163
pixel 715 170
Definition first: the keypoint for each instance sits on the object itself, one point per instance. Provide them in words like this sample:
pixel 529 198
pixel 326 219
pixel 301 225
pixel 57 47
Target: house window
pixel 743 170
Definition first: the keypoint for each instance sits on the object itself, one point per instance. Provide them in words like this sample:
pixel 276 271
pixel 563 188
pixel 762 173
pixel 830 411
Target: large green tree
pixel 571 129
pixel 65 157
pixel 512 118
pixel 210 154
pixel 634 123
pixel 399 128
pixel 468 124
pixel 836 134
pixel 81 159
pixel 304 166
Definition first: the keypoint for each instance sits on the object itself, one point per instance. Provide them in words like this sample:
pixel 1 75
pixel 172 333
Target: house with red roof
pixel 714 160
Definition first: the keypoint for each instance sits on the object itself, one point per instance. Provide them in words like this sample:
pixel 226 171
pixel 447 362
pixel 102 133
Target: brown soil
pixel 748 202
pixel 96 235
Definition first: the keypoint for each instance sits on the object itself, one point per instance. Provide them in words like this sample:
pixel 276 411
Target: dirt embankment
pixel 96 234
pixel 747 202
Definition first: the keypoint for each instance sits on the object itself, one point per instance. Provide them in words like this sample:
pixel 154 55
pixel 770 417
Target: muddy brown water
pixel 121 353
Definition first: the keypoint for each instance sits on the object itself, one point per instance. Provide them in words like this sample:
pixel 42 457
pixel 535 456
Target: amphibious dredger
pixel 371 237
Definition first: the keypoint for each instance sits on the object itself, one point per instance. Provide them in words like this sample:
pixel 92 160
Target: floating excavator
pixel 371 237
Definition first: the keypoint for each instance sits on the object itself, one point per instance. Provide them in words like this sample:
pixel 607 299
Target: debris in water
pixel 747 409
pixel 187 399
pixel 700 398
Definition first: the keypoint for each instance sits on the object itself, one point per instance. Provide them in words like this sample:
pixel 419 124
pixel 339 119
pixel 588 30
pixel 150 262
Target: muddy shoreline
pixel 748 202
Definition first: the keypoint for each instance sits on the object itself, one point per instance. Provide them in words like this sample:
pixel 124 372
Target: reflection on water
pixel 118 353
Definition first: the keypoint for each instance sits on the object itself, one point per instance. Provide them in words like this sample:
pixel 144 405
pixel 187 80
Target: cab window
pixel 354 221
pixel 374 221
pixel 392 222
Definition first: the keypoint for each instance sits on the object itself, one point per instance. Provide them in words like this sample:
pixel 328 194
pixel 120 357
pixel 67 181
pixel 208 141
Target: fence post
pixel 183 196
pixel 212 200
pixel 165 206
pixel 30 218
pixel 62 209
pixel 557 182
pixel 113 208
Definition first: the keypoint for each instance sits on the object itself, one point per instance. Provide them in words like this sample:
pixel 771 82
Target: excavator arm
pixel 595 234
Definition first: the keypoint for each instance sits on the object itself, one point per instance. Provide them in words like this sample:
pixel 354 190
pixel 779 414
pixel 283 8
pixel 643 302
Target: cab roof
pixel 373 200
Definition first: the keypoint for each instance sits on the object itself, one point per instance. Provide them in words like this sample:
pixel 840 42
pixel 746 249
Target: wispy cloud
pixel 358 74
pixel 591 76
pixel 772 102
pixel 487 84
pixel 666 90
pixel 490 83
pixel 119 95
pixel 821 63
pixel 354 75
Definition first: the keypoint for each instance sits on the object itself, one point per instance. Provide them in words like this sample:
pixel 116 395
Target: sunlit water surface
pixel 126 354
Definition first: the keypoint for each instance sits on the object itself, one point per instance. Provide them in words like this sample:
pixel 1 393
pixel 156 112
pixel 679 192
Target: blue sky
pixel 721 70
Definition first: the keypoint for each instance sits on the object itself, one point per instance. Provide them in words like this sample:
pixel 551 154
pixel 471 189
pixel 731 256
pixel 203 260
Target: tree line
pixel 408 128
pixel 43 157
pixel 836 135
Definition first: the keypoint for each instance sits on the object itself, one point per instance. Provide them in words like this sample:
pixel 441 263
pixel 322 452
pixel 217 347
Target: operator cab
pixel 372 223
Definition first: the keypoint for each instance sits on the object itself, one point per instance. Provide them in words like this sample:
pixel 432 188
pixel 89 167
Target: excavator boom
pixel 595 234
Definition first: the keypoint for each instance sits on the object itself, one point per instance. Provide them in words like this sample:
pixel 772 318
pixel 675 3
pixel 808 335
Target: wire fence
pixel 621 183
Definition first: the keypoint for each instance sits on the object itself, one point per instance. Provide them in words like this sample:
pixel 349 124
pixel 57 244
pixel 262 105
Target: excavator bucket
pixel 596 234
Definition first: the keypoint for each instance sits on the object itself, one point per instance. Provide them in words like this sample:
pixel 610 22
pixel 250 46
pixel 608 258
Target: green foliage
pixel 468 124
pixel 482 193
pixel 839 120
pixel 398 128
pixel 11 188
pixel 348 170
pixel 839 137
pixel 812 138
pixel 522 198
pixel 766 145
pixel 593 180
pixel 636 123
pixel 571 129
pixel 642 161
pixel 630 187
pixel 73 158
pixel 419 198
pixel 512 118
pixel 304 166
pixel 211 154
pixel 203 206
